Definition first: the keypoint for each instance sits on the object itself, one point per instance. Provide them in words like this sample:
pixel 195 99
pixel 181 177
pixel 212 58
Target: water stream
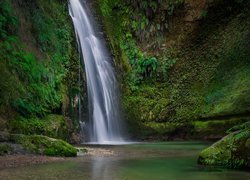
pixel 105 125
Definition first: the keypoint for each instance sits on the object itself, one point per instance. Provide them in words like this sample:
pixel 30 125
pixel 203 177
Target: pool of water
pixel 151 161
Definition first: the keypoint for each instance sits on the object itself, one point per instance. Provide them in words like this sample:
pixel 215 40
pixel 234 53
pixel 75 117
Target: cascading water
pixel 105 122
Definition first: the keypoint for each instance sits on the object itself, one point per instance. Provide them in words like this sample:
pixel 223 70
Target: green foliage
pixel 37 89
pixel 52 126
pixel 148 18
pixel 33 79
pixel 239 126
pixel 245 133
pixel 107 6
pixel 8 22
pixel 45 145
pixel 165 65
pixel 167 128
pixel 135 21
pixel 144 107
pixel 147 66
pixel 204 73
pixel 143 67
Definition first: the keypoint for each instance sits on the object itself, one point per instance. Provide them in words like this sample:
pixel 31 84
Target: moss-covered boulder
pixel 232 151
pixel 44 145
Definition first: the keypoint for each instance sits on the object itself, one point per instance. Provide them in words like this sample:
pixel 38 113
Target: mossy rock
pixel 237 127
pixel 44 145
pixel 232 151
pixel 52 125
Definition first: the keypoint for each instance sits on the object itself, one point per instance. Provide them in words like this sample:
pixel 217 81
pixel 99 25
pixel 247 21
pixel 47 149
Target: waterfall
pixel 105 124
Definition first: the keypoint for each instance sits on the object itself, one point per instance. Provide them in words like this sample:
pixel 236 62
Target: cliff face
pixel 184 65
pixel 39 65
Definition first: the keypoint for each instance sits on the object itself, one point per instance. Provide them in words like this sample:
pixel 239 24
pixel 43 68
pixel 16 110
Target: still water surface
pixel 153 161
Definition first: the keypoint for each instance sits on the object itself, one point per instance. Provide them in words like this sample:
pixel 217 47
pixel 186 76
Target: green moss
pixel 232 151
pixel 52 126
pixel 44 145
pixel 166 128
pixel 211 129
pixel 146 103
pixel 240 126
pixel 204 73
pixel 39 67
pixel 38 57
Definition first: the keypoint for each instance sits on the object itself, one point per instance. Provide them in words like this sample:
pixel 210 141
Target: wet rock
pixel 232 151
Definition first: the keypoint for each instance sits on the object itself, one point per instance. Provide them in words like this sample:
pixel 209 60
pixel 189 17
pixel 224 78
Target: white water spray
pixel 104 109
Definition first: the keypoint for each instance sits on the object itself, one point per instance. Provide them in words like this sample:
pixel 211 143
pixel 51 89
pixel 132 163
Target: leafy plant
pixel 33 86
pixel 147 66
pixel 165 65
pixel 8 22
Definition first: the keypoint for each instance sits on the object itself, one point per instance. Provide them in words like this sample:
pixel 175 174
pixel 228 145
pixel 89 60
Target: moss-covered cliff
pixel 182 64
pixel 39 68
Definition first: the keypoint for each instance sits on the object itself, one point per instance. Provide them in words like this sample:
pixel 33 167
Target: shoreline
pixel 21 160
pixel 26 159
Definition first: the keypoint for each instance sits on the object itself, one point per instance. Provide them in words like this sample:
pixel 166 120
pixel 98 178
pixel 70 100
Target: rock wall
pixel 180 62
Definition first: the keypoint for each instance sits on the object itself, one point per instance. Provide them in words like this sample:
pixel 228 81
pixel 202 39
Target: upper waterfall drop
pixel 104 108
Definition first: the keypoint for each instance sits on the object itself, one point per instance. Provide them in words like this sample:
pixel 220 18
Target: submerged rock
pixel 232 151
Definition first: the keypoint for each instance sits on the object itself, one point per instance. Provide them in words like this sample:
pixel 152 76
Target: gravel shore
pixel 9 161
pixel 18 160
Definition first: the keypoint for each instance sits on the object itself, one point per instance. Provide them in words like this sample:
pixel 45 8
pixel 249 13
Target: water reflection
pixel 104 168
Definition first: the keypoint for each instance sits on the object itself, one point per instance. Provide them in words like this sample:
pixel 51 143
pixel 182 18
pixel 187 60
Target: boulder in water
pixel 233 151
